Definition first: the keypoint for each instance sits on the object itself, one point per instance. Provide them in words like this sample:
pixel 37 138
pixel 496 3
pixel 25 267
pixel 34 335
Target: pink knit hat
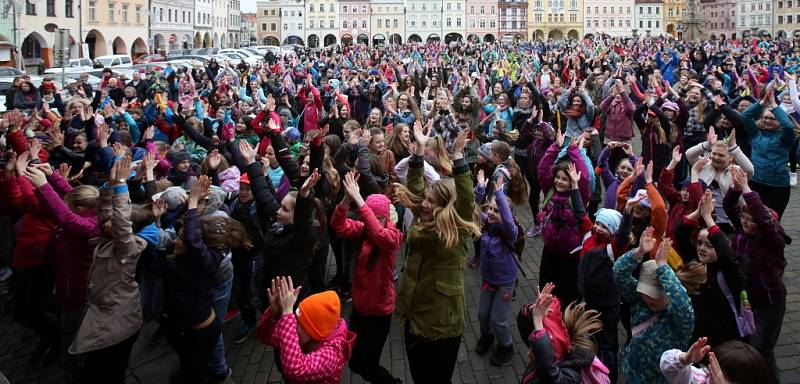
pixel 379 205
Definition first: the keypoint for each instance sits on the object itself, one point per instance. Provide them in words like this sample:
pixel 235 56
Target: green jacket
pixel 431 295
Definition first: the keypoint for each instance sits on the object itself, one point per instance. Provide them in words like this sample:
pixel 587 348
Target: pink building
pixel 720 18
pixel 354 17
pixel 482 20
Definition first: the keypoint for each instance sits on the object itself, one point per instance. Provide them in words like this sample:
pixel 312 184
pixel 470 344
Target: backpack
pixel 595 373
pixel 519 242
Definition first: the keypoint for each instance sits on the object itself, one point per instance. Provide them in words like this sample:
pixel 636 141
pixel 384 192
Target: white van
pixel 113 61
pixel 74 66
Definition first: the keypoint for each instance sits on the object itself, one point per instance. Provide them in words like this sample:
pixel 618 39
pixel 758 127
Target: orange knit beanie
pixel 319 314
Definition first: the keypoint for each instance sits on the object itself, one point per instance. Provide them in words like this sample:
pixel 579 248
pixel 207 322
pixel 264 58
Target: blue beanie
pixel 611 218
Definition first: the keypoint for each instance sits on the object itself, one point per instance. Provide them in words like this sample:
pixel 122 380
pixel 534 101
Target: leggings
pixel 431 361
pixel 534 190
pixel 32 289
pixel 108 365
pixel 372 332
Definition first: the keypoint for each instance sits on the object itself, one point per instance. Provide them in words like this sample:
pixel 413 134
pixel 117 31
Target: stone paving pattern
pixel 252 362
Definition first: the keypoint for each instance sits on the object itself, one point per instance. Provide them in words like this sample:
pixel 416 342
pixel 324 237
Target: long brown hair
pixel 446 221
pixel 224 232
pixel 518 190
pixel 393 141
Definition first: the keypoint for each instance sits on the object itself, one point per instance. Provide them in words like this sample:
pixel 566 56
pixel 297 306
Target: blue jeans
pixel 494 309
pixel 217 364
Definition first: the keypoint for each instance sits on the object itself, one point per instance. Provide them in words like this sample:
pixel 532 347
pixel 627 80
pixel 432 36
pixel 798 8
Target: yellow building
pixel 555 19
pixel 115 27
pixel 674 11
pixel 268 22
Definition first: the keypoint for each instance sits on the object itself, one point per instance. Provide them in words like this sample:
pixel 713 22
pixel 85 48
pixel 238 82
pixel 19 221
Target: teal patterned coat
pixel 672 329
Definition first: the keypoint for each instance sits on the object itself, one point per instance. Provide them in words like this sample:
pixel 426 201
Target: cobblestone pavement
pixel 252 362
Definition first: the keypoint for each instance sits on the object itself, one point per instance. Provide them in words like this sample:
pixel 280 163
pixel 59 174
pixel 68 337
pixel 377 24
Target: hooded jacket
pixel 71 254
pixel 373 286
pixel 324 365
pixel 497 243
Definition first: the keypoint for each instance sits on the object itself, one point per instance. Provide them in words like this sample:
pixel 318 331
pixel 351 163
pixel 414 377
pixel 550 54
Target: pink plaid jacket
pixel 323 365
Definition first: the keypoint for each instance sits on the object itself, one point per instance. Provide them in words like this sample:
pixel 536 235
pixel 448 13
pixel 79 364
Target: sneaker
pixel 484 344
pixel 792 180
pixel 5 274
pixel 501 356
pixel 534 230
pixel 244 332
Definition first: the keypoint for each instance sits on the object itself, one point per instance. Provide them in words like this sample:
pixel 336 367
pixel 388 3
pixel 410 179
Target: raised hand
pixel 646 242
pixel 559 138
pixel 248 153
pixel 420 137
pixel 64 169
pixel 35 176
pixel 698 167
pixel 706 205
pixel 541 307
pixel 274 298
pixel 500 182
pixel 200 190
pixel 574 175
pixel 731 139
pixel 355 137
pixel 159 208
pixel 481 179
pixel 351 188
pixel 663 251
pixel 676 154
pixel 739 178
pixel 696 352
pixel 459 143
pixel 22 162
pixel 214 158
pixel 715 371
pixel 638 168
pixel 56 136
pixel 35 148
pixel 648 173
pixel 287 295
pixel 118 149
pixel 711 139
pixel 310 183
pixel 149 132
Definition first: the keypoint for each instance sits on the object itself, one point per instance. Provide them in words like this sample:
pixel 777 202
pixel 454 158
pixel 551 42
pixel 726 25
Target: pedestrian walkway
pixel 252 362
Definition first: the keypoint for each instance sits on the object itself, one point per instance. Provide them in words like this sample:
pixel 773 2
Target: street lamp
pixel 17 6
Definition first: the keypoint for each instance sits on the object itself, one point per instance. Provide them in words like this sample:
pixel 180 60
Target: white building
pixel 423 20
pixel 292 22
pixel 612 17
pixel 322 23
pixel 755 17
pixel 454 20
pixel 648 17
pixel 219 27
pixel 171 25
pixel 234 23
pixel 203 21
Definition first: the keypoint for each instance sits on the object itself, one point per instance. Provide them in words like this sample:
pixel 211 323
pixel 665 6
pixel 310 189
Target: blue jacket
pixel 770 149
pixel 671 330
pixel 667 68
pixel 497 243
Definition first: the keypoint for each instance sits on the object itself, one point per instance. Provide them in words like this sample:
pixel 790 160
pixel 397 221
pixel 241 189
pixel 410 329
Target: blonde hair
pixel 692 275
pixel 442 165
pixel 331 176
pixel 581 323
pixel 82 196
pixel 446 221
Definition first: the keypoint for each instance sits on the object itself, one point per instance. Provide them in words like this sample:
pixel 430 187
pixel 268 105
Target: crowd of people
pixel 188 195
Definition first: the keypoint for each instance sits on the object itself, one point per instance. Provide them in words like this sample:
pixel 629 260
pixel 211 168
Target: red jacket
pixel 373 288
pixel 677 207
pixel 33 229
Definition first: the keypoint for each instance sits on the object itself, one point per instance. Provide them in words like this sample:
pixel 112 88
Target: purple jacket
pixel 611 181
pixel 497 243
pixel 761 253
pixel 71 254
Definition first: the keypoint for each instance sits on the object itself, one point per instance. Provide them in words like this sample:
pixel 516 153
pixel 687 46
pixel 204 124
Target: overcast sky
pixel 248 5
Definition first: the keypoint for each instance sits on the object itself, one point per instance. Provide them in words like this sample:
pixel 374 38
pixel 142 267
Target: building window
pixel 273 27
pixel 30 8
pixel 493 12
pixel 658 24
pixel 658 10
pixel 492 24
pixel 472 9
pixel 111 12
pixel 311 24
pixel 125 14
pixel 264 27
pixel 285 27
pixel 380 23
pixel 588 10
pixel 51 7
pixel 573 18
pixel 395 23
pixel 482 23
pixel 458 21
pixel 169 15
pixel 68 8
pixel 344 24
pixel 363 24
pixel 344 9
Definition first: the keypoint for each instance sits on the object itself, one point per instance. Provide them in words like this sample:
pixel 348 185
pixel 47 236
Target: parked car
pixel 150 67
pixel 74 65
pixel 113 61
pixel 250 58
pixel 10 71
pixel 151 58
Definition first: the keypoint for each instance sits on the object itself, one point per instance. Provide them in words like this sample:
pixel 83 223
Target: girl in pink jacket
pixel 373 285
pixel 312 345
